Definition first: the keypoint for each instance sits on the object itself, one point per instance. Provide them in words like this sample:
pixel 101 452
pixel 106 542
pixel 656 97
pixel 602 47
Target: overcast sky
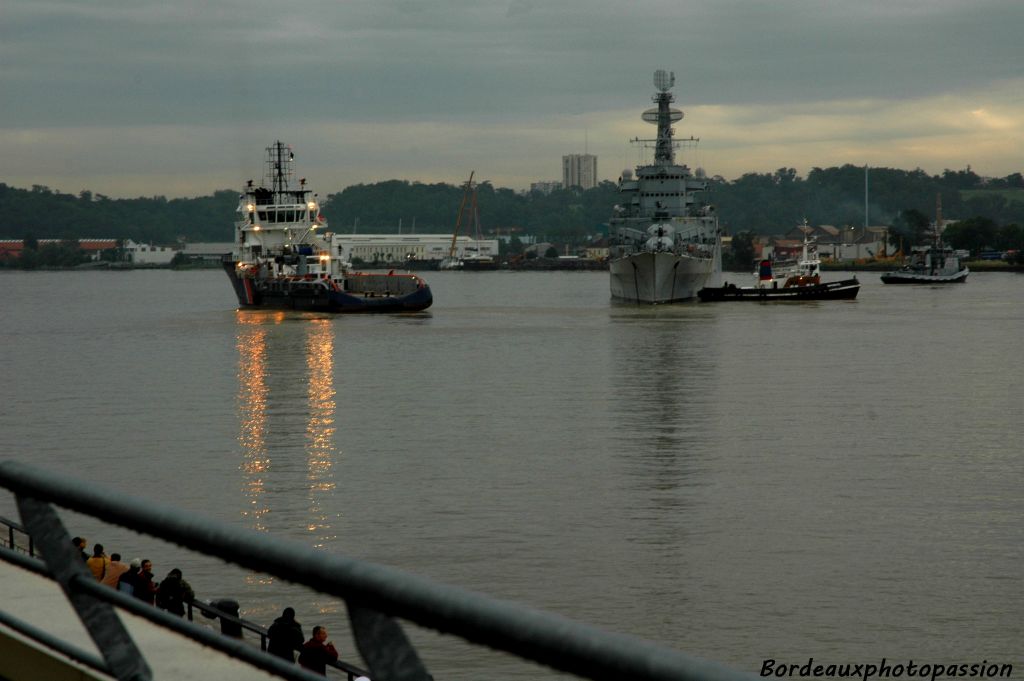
pixel 179 98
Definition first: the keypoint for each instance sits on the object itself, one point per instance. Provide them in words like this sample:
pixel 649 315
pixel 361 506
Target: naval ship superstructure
pixel 665 242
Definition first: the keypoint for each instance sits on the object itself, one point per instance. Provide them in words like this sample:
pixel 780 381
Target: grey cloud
pixel 518 8
pixel 502 64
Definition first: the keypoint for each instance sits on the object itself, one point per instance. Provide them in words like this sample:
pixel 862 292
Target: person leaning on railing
pixel 317 652
pixel 98 563
pixel 173 593
pixel 285 636
pixel 115 568
pixel 145 587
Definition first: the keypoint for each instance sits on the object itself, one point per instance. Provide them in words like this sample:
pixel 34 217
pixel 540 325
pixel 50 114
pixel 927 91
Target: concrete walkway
pixel 40 602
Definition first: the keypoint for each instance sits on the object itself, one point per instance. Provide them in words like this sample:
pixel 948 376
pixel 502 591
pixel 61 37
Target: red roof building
pixel 12 248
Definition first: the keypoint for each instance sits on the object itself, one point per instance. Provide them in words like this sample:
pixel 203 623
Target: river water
pixel 838 480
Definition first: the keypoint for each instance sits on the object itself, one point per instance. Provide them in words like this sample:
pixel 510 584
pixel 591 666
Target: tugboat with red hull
pixel 800 280
pixel 285 258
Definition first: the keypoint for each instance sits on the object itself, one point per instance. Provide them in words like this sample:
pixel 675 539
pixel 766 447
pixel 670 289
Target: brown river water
pixel 738 481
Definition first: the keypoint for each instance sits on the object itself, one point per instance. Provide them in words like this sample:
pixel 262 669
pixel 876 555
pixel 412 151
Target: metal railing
pixel 15 532
pixel 18 539
pixel 375 597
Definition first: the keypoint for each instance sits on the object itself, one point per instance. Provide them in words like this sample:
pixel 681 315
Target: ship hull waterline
pixel 912 278
pixel 251 295
pixel 656 278
pixel 837 290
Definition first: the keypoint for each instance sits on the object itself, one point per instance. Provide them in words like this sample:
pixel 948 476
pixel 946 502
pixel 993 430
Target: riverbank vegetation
pixel 989 210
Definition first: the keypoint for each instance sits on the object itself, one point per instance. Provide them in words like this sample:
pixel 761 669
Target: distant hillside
pixel 761 203
pixel 1010 195
pixel 42 213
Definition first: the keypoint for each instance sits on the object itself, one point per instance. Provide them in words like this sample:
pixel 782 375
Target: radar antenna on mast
pixel 664 80
pixel 663 116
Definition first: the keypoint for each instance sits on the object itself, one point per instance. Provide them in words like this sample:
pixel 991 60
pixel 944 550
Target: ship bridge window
pixel 276 216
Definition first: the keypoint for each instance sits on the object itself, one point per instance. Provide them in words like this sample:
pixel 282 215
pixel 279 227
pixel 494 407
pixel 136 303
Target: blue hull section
pixel 318 296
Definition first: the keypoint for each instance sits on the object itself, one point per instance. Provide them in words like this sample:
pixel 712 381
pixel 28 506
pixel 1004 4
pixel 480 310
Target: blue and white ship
pixel 284 256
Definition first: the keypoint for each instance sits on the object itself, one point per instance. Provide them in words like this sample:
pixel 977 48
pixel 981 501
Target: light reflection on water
pixel 252 407
pixel 320 448
pixel 265 343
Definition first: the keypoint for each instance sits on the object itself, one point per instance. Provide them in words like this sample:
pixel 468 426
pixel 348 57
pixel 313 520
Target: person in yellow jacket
pixel 98 563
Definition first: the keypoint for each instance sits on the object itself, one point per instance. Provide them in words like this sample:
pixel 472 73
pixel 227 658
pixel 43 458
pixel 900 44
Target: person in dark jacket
pixel 285 636
pixel 173 593
pixel 145 587
pixel 317 652
pixel 79 543
pixel 126 583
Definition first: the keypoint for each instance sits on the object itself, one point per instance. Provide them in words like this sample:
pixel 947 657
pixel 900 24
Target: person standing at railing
pixel 127 581
pixel 173 592
pixel 317 651
pixel 98 563
pixel 79 543
pixel 285 636
pixel 115 568
pixel 145 587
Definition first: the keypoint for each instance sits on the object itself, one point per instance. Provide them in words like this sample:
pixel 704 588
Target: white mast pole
pixel 865 199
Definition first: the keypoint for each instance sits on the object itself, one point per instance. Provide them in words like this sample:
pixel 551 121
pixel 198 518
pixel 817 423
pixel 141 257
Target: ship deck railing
pixel 376 597
pixel 377 284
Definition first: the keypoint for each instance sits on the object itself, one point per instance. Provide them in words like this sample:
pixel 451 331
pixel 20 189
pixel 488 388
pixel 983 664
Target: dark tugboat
pixel 935 263
pixel 800 280
pixel 285 258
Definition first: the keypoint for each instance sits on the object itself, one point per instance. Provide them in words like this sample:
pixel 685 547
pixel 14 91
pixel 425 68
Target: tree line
pixel 755 203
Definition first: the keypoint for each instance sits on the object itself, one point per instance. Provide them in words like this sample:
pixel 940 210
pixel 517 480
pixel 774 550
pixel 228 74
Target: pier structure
pixel 130 635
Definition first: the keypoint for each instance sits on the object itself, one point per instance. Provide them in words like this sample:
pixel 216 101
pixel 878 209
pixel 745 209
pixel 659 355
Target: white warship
pixel 665 240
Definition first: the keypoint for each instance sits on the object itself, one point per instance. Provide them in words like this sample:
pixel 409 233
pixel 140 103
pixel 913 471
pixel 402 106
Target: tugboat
pixel 285 258
pixel 934 263
pixel 799 281
pixel 665 241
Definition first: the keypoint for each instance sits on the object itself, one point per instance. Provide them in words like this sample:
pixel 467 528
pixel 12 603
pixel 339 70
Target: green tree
pixel 740 256
pixel 975 234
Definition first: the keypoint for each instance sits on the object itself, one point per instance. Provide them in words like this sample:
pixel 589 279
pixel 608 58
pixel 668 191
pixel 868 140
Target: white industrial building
pixel 394 248
pixel 148 254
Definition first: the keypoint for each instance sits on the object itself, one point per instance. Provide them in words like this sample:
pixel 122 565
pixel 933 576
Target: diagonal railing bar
pixel 385 647
pixel 47 639
pixel 211 639
pixel 38 567
pixel 198 633
pixel 64 562
pixel 549 639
